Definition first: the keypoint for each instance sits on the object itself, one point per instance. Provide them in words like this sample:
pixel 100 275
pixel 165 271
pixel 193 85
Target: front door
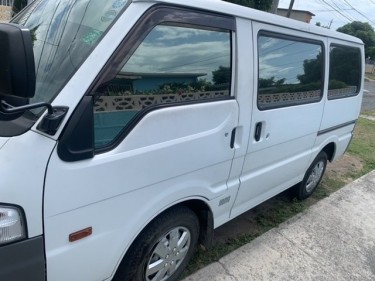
pixel 163 115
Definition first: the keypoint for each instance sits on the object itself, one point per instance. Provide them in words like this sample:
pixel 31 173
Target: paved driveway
pixel 369 96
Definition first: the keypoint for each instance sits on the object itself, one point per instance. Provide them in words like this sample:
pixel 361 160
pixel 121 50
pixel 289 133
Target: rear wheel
pixel 312 177
pixel 163 249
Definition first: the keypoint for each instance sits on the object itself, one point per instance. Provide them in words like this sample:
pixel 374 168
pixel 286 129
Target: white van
pixel 130 130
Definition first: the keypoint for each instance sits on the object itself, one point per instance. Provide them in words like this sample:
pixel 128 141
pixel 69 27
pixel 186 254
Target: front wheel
pixel 163 249
pixel 312 177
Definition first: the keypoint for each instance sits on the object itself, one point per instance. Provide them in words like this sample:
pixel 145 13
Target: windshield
pixel 64 32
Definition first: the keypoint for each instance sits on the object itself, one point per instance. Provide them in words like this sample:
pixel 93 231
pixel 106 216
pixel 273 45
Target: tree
pixel 270 82
pixel 264 5
pixel 365 32
pixel 221 75
pixel 312 70
pixel 320 25
pixel 344 66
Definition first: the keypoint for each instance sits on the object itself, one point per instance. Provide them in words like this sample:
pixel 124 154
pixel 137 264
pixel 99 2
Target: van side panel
pixel 173 154
pixel 280 157
pixel 340 114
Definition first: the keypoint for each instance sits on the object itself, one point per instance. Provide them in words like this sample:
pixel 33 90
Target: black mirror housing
pixel 17 65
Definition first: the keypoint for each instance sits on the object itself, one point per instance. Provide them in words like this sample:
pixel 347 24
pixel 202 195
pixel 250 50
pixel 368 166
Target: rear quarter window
pixel 344 72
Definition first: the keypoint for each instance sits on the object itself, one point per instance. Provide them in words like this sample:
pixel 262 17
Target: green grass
pixel 371 76
pixel 363 144
pixel 273 212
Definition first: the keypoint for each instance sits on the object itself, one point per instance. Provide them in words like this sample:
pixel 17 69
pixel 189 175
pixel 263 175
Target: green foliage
pixel 320 24
pixel 371 52
pixel 264 5
pixel 334 84
pixel 221 75
pixel 309 81
pixel 312 70
pixel 365 32
pixel 179 88
pixel 344 65
pixel 271 86
pixel 270 82
pixel 363 145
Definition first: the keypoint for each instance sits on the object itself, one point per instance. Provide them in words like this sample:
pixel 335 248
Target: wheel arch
pixel 206 223
pixel 330 150
pixel 206 220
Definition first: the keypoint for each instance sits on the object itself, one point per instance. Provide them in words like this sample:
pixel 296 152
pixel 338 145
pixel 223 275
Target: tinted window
pixel 173 64
pixel 290 72
pixel 344 72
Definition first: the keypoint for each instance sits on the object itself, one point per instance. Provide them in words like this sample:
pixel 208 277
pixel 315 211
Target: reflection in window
pixel 64 32
pixel 344 72
pixel 172 65
pixel 290 72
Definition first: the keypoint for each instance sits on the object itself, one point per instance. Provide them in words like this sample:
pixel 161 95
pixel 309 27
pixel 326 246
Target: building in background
pixel 300 15
pixel 6 2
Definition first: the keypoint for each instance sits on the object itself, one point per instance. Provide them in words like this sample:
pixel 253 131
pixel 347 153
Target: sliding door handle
pixel 233 138
pixel 258 131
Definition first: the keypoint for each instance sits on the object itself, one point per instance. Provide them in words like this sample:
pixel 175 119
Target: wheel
pixel 312 177
pixel 163 249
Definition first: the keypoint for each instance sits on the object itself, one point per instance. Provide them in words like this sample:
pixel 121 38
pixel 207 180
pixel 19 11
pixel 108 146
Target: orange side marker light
pixel 80 234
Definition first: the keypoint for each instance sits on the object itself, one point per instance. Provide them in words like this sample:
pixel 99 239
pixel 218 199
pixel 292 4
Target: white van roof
pixel 223 7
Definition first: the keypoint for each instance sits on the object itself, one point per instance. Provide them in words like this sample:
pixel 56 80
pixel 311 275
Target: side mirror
pixel 17 66
pixel 17 79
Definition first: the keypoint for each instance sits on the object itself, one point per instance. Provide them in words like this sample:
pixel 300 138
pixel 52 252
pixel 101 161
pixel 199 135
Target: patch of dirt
pixel 343 168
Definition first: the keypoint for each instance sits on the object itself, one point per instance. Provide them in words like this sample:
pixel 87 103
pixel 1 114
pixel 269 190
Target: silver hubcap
pixel 168 254
pixel 315 176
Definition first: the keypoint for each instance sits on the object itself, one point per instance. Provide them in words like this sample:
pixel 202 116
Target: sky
pixel 340 12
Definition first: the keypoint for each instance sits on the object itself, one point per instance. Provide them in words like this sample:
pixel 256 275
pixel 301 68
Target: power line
pixel 332 7
pixel 344 12
pixel 358 12
pixel 340 9
pixel 325 10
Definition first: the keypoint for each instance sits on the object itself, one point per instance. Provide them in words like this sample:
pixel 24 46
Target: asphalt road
pixel 369 96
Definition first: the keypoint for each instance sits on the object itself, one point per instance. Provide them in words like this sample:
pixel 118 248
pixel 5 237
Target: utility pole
pixel 290 8
pixel 330 23
pixel 275 4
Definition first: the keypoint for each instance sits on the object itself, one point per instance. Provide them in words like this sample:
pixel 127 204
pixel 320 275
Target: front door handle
pixel 258 131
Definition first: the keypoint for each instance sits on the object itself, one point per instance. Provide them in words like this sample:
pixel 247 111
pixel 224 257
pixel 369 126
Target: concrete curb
pixel 332 240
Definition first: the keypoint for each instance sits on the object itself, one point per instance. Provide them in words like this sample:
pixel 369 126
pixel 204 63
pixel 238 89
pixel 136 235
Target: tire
pixel 312 177
pixel 163 249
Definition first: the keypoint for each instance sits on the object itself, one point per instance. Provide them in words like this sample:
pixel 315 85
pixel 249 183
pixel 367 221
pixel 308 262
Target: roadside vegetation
pixel 359 160
pixel 371 76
